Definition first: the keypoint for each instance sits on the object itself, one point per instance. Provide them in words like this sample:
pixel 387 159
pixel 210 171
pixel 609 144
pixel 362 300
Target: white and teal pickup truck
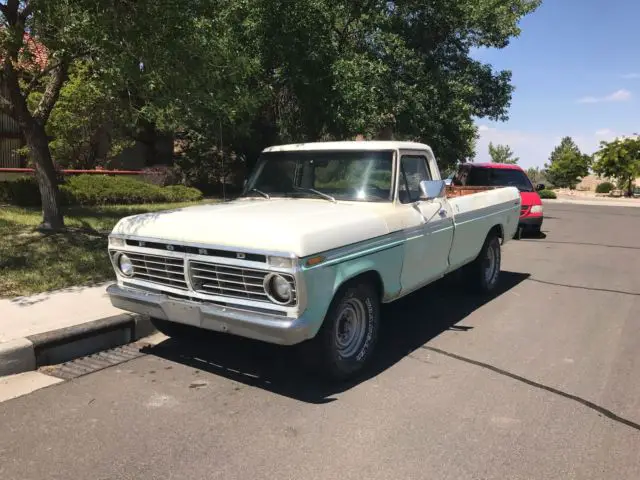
pixel 322 235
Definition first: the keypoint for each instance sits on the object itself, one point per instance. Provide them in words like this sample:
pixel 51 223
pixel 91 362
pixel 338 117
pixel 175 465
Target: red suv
pixel 503 175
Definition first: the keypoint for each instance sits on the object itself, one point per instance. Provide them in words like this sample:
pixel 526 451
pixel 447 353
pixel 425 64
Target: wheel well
pixel 371 276
pixel 498 231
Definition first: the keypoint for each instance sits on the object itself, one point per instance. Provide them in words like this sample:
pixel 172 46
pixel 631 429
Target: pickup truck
pixel 321 236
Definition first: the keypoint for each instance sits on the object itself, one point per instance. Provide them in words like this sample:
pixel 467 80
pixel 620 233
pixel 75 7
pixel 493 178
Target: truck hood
pixel 291 226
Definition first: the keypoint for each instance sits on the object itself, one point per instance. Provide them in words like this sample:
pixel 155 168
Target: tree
pixel 238 75
pixel 502 154
pixel 378 68
pixel 166 60
pixel 619 159
pixel 567 165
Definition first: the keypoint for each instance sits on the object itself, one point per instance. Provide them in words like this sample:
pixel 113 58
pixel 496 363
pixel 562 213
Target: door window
pixel 413 170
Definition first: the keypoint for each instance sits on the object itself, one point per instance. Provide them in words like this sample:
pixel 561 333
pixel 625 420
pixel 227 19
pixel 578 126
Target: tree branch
pixel 52 92
pixel 38 76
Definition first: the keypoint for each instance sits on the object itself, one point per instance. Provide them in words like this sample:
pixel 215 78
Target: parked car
pixel 323 234
pixel 502 175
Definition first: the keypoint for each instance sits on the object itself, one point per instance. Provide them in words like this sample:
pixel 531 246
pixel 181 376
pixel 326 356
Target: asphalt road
pixel 540 382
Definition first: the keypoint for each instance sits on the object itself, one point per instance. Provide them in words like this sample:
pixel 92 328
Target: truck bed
pixel 454 191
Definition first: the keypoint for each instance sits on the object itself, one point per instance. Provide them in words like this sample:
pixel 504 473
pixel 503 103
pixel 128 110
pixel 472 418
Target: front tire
pixel 484 271
pixel 347 339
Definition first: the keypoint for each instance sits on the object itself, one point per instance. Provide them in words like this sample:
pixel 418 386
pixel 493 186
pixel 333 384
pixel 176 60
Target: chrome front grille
pixel 168 271
pixel 230 281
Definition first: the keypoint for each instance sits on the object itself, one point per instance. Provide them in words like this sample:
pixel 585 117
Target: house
pixel 11 138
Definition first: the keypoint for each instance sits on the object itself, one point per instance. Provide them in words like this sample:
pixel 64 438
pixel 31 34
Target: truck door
pixel 429 227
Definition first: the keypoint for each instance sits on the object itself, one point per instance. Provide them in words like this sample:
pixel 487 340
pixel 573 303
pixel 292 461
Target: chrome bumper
pixel 259 326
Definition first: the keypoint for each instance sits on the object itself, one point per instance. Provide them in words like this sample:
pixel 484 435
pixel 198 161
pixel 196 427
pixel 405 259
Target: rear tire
pixel 347 339
pixel 483 273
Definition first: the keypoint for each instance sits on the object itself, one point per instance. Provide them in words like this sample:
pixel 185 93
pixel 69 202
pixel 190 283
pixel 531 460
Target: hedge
pixel 97 190
pixel 549 194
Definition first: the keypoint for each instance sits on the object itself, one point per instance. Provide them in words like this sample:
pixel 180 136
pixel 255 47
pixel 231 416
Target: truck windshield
pixel 498 177
pixel 342 175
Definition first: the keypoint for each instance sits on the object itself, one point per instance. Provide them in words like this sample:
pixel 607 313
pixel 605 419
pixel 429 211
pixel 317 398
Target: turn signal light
pixel 313 261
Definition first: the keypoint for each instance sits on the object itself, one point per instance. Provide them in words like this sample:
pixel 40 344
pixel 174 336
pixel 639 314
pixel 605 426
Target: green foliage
pixel 619 159
pixel 336 69
pixel 235 76
pixel 502 154
pixel 567 165
pixel 181 193
pixel 98 190
pixel 90 123
pixel 548 194
pixel 605 187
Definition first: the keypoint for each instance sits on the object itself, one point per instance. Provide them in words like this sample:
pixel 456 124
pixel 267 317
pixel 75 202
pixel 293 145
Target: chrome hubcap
pixel 351 327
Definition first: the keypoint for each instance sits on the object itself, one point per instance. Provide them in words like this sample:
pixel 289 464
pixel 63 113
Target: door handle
pixel 442 213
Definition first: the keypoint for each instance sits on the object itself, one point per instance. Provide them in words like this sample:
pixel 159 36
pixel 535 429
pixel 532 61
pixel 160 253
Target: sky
pixel 576 72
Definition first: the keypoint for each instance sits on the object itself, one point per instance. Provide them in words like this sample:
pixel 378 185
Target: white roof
pixel 349 145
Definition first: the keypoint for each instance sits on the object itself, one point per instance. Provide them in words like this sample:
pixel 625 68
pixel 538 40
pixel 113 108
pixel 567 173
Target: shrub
pixel 23 192
pixel 605 187
pixel 97 190
pixel 181 193
pixel 547 194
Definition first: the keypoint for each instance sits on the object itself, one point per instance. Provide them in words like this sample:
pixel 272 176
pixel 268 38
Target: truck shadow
pixel 408 324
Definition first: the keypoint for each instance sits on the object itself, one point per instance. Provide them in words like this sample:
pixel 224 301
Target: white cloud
pixel 604 132
pixel 631 76
pixel 621 95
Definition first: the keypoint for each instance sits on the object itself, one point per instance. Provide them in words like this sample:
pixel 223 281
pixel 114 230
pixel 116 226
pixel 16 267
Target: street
pixel 540 382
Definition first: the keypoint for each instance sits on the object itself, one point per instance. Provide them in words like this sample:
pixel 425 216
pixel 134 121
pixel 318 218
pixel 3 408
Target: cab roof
pixel 504 166
pixel 350 145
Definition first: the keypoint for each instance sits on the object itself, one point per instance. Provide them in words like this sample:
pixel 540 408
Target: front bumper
pixel 265 327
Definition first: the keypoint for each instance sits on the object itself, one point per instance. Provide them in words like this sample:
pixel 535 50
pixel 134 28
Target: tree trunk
pixel 630 187
pixel 37 142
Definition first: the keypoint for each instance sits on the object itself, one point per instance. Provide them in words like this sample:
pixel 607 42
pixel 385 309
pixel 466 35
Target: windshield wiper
pixel 265 195
pixel 312 190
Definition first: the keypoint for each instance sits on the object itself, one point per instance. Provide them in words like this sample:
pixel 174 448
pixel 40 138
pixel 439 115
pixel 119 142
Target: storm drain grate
pixel 95 362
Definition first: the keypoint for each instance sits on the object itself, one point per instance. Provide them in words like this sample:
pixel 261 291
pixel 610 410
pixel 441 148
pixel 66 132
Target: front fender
pixel 323 281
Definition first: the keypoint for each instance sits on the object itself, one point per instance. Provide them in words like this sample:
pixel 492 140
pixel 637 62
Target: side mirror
pixel 539 187
pixel 448 181
pixel 430 189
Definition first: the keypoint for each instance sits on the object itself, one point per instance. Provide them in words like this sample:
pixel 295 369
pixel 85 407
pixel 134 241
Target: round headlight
pixel 125 265
pixel 278 289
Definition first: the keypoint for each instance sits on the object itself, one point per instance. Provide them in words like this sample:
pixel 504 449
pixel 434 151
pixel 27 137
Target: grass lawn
pixel 32 262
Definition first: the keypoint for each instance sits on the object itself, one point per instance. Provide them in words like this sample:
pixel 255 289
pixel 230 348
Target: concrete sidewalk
pixel 24 316
pixel 55 327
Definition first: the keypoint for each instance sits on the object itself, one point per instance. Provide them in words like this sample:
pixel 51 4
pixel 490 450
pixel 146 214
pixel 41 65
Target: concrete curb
pixel 597 203
pixel 65 344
